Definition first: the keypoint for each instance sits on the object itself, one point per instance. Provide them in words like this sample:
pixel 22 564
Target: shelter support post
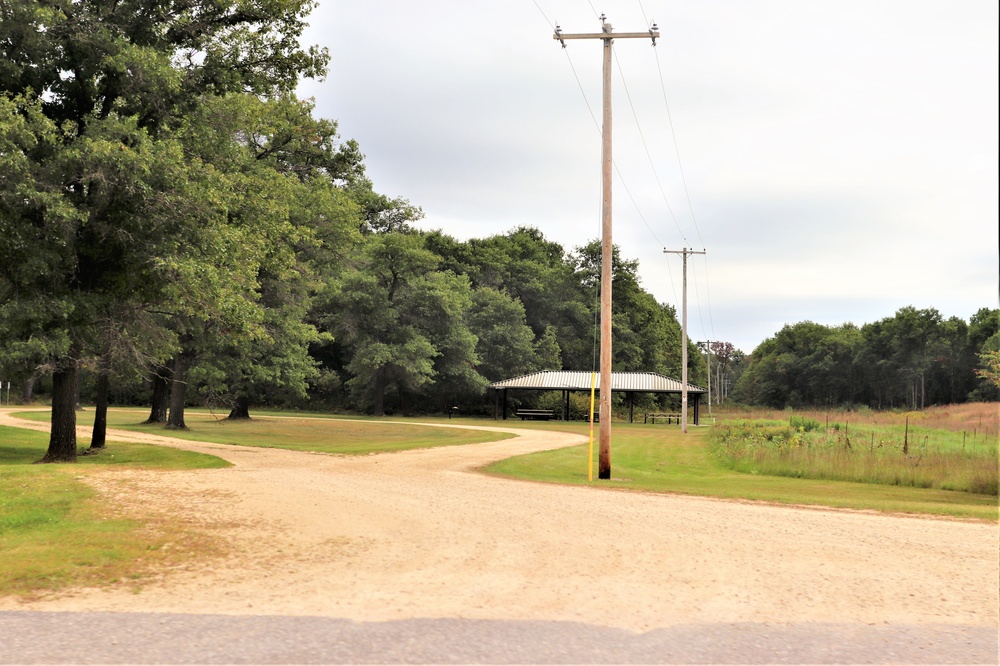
pixel 697 410
pixel 504 404
pixel 631 404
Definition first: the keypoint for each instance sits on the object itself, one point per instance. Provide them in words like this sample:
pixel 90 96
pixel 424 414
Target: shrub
pixel 802 424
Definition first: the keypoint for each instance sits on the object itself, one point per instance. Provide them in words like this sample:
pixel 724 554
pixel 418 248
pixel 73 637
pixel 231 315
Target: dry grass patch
pixel 84 525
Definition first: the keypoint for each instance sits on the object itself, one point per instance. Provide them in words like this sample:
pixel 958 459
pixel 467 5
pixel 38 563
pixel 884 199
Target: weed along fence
pixel 877 451
pixel 567 382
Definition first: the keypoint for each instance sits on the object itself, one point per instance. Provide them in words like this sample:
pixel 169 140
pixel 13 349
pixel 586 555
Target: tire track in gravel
pixel 419 534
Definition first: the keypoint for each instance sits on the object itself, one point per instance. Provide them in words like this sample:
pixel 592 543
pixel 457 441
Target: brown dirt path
pixel 420 534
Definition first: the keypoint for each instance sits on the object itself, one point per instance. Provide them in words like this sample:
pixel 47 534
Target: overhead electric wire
pixel 701 318
pixel 597 125
pixel 642 9
pixel 617 170
pixel 621 178
pixel 649 155
pixel 677 152
pixel 708 298
pixel 538 7
pixel 687 193
pixel 680 165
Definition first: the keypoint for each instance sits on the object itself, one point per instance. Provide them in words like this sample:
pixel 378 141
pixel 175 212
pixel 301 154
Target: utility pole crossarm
pixel 652 34
pixel 606 34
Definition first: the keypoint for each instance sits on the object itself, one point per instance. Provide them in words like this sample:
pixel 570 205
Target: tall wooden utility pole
pixel 604 455
pixel 684 337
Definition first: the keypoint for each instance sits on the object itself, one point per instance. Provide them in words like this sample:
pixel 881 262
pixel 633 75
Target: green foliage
pixel 425 320
pixel 991 367
pixel 802 424
pixel 402 322
pixel 286 169
pixel 118 215
pixel 505 343
pixel 914 358
pixel 864 454
pixel 536 273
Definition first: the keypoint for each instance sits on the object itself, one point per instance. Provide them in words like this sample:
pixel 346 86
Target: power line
pixel 537 6
pixel 677 150
pixel 697 293
pixel 687 192
pixel 708 296
pixel 621 177
pixel 649 156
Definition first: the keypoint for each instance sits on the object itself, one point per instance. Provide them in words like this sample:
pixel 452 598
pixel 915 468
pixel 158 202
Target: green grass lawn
pixel 661 459
pixel 298 432
pixel 54 532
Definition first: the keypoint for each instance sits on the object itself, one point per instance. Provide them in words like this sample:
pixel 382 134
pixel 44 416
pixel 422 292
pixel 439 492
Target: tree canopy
pixel 170 209
pixel 912 359
pixel 107 211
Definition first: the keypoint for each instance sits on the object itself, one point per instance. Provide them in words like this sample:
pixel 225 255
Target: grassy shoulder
pixel 54 531
pixel 300 432
pixel 659 458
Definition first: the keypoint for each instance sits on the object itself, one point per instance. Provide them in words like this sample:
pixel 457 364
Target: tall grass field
pixel 952 448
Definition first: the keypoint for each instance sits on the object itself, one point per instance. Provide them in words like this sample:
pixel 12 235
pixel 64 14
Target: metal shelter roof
pixel 571 380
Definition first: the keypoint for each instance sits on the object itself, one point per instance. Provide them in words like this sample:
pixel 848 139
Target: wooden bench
pixel 535 414
pixel 663 416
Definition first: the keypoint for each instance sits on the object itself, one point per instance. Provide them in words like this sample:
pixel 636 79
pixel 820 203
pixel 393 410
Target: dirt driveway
pixel 419 534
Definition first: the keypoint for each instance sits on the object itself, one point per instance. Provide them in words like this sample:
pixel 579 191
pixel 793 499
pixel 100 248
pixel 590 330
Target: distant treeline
pixel 910 360
pixel 405 321
pixel 423 322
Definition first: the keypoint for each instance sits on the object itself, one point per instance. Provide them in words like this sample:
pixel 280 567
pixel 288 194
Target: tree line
pixel 178 227
pixel 173 217
pixel 912 359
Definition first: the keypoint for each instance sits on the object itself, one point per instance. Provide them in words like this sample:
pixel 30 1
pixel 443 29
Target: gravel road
pixel 413 557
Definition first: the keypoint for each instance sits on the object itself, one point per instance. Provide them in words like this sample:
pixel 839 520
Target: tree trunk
pixel 160 376
pixel 62 437
pixel 28 390
pixel 77 403
pixel 178 394
pixel 100 413
pixel 241 410
pixel 379 394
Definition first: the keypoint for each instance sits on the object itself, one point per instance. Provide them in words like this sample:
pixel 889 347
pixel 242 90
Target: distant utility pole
pixel 708 367
pixel 684 337
pixel 604 455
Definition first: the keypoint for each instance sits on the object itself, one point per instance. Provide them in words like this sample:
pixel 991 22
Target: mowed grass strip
pixel 54 531
pixel 297 433
pixel 661 459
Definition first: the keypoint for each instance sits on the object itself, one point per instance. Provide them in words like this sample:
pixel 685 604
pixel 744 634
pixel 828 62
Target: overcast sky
pixel 840 158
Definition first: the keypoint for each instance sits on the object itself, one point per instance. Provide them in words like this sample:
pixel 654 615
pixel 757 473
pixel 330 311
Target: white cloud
pixel 841 159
